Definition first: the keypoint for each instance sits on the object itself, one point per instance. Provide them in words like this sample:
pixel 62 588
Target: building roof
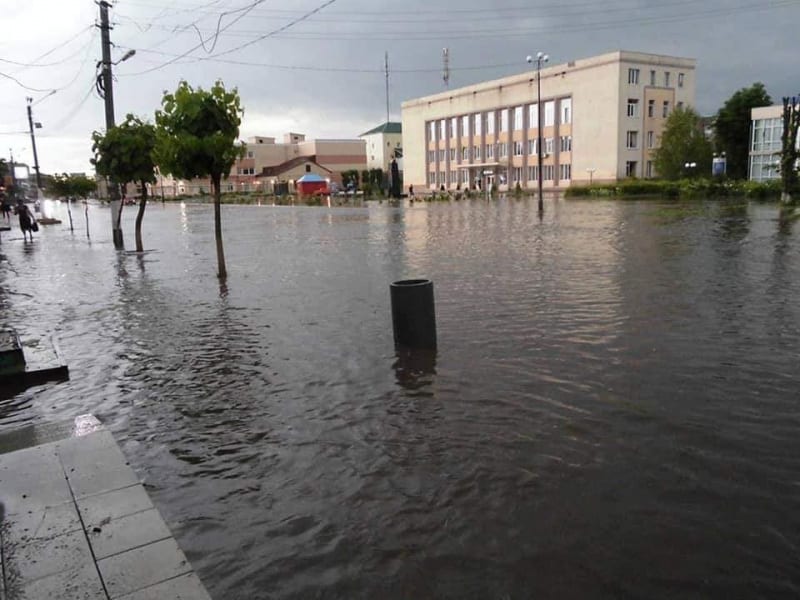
pixel 388 127
pixel 311 178
pixel 277 170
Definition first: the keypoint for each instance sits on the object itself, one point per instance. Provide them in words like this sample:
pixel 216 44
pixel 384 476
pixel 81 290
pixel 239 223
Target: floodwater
pixel 614 410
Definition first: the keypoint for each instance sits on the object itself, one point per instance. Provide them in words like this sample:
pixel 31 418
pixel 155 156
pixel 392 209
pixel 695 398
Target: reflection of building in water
pixel 603 117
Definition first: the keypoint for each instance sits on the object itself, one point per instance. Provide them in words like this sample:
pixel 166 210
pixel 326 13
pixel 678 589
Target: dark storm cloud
pixel 324 75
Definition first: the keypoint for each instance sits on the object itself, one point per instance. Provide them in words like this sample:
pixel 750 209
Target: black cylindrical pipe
pixel 413 314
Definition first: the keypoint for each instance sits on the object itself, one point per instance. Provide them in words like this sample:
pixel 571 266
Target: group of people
pixel 27 222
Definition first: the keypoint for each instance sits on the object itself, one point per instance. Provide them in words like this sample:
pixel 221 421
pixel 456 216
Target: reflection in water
pixel 414 369
pixel 612 405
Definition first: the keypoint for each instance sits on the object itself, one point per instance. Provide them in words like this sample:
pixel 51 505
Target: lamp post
pixel 591 174
pixel 540 59
pixel 690 166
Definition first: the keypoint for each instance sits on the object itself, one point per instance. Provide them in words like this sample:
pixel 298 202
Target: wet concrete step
pixel 76 523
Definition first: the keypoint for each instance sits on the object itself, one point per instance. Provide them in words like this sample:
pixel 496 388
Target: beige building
pixel 267 162
pixel 602 120
pixel 766 142
pixel 384 143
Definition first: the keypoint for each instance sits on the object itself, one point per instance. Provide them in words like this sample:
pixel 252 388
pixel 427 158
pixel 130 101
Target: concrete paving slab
pixel 143 567
pixel 127 533
pixel 50 521
pixel 48 556
pixel 113 505
pixel 185 587
pixel 83 584
pixel 95 464
pixel 32 479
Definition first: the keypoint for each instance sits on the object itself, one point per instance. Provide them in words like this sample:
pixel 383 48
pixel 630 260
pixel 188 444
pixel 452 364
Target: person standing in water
pixel 25 219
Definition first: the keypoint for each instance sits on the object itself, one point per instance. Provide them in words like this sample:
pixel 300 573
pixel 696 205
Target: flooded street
pixel 613 410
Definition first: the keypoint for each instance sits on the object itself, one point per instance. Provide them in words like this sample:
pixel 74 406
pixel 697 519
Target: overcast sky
pixel 320 72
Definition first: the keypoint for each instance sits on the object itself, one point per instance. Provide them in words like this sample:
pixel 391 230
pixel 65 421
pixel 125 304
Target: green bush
pixel 684 188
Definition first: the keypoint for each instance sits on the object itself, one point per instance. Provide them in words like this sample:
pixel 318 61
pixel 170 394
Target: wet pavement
pixel 612 410
pixel 76 524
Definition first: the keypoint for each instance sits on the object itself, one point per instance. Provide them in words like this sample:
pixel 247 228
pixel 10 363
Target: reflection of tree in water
pixel 733 220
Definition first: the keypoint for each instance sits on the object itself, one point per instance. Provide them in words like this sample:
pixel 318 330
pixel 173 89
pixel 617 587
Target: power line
pixel 35 62
pixel 22 85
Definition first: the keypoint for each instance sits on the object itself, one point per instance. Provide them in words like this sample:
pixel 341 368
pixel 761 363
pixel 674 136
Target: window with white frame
pixel 490 122
pixel 549 113
pixel 566 143
pixel 650 139
pixel 431 178
pixel 431 130
pixel 549 172
pixel 533 173
pixel 464 176
pixel 441 155
pixel 516 174
pixel 503 120
pixel 477 121
pixel 566 111
pixel 476 152
pixel 464 154
pixel 431 156
pixel 633 107
pixel 666 78
pixel 649 168
pixel 680 80
pixel 517 118
pixel 633 76
pixel 453 176
pixel 453 127
pixel 489 151
pixel 502 150
pixel 632 140
pixel 452 154
pixel 652 77
pixel 651 108
pixel 565 172
pixel 250 154
pixel 665 110
pixel 465 126
pixel 548 146
pixel 533 146
pixel 442 129
pixel 533 116
pixel 518 148
pixel 630 168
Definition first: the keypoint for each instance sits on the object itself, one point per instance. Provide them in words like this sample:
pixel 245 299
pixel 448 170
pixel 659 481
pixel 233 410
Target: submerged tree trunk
pixel 86 214
pixel 139 217
pixel 69 212
pixel 215 182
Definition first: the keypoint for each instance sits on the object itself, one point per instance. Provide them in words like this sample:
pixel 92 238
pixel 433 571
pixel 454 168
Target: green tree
pixel 125 154
pixel 683 141
pixel 732 127
pixel 196 133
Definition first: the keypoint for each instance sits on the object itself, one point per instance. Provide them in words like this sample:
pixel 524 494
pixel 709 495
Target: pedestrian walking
pixel 26 221
pixel 411 191
pixel 5 207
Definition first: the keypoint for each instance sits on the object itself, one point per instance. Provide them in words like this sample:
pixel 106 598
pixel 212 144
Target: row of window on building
pixel 633 108
pixel 634 78
pixel 517 175
pixel 510 119
pixel 632 140
pixel 500 150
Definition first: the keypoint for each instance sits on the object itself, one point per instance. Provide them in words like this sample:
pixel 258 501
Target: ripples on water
pixel 612 411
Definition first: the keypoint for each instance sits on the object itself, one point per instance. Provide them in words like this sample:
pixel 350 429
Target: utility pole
pixel 386 63
pixel 446 67
pixel 13 174
pixel 106 83
pixel 33 143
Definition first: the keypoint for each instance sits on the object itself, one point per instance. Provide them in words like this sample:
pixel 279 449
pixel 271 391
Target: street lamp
pixel 591 174
pixel 540 58
pixel 689 166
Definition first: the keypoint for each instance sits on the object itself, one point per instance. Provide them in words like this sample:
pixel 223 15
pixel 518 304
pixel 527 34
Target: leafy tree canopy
pixel 125 152
pixel 732 127
pixel 65 185
pixel 197 131
pixel 683 141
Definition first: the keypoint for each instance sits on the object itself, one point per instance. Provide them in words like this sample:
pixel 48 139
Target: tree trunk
pixel 215 182
pixel 139 217
pixel 86 214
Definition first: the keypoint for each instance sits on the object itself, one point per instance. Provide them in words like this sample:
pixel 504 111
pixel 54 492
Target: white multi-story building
pixel 766 133
pixel 383 144
pixel 602 120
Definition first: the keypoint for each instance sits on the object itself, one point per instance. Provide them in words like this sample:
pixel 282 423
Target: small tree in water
pixel 683 141
pixel 125 154
pixel 196 137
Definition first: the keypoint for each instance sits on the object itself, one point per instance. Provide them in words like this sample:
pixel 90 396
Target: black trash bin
pixel 413 314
